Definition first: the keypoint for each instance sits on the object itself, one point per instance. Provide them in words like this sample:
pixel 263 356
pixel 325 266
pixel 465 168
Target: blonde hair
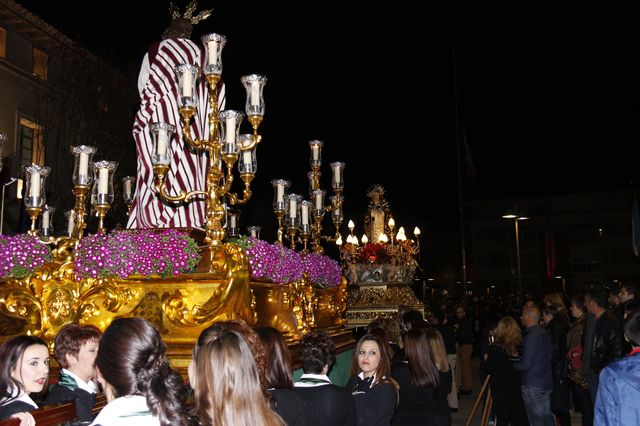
pixel 228 390
pixel 437 349
pixel 555 300
pixel 508 335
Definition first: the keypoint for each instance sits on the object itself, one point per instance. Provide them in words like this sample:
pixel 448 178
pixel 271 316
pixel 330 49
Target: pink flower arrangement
pixel 283 265
pixel 136 252
pixel 22 254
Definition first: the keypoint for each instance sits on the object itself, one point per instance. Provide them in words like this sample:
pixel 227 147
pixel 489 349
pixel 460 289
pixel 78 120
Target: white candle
pixel 103 181
pixel 83 168
pixel 212 49
pixel 246 156
pixel 187 82
pixel 45 219
pixel 232 221
pixel 315 152
pixel 318 201
pixel 127 188
pixel 255 93
pixel 279 193
pixel 293 208
pixel 305 213
pixel 72 223
pixel 336 173
pixel 163 141
pixel 35 185
pixel 231 130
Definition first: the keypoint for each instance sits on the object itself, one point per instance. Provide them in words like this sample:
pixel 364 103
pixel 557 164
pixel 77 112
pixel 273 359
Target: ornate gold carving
pixel 232 299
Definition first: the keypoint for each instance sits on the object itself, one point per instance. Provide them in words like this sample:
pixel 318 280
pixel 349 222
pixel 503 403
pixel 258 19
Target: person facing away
pixel 535 366
pixel 619 385
pixel 505 380
pixel 24 372
pixel 226 382
pixel 441 323
pixel 464 338
pixel 374 391
pixel 418 378
pixel 285 399
pixel 557 324
pixel 76 348
pixel 159 103
pixel 325 403
pixel 438 354
pixel 140 386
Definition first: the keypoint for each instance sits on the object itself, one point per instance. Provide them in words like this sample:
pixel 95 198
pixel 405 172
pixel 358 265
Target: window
pixel 3 43
pixel 40 60
pixel 31 143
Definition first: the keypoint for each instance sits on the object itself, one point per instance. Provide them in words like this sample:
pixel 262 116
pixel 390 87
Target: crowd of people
pixel 567 355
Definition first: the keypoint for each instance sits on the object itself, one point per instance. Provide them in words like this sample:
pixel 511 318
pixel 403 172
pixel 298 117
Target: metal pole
pixel 521 287
pixel 4 186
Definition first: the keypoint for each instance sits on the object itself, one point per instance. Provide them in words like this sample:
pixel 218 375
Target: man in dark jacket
pixel 603 339
pixel 464 338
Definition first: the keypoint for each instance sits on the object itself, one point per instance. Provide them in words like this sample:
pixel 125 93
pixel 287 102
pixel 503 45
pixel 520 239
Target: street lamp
pixel 513 215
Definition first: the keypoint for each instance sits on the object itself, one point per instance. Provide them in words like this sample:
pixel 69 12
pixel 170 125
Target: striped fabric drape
pixel 158 89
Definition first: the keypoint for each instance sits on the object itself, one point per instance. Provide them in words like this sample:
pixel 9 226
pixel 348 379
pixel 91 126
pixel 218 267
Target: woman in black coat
pixel 374 391
pixel 285 399
pixel 505 383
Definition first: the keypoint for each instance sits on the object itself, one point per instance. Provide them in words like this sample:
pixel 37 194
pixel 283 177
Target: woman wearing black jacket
pixel 374 391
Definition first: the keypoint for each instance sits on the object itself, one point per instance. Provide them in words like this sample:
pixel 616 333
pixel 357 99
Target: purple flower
pixel 22 254
pixel 142 252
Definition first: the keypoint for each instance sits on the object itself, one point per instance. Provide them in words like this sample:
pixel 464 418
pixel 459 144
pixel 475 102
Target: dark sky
pixel 547 93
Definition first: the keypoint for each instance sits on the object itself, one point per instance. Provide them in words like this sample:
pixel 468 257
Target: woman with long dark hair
pixel 24 373
pixel 141 387
pixel 418 378
pixel 505 383
pixel 374 391
pixel 285 400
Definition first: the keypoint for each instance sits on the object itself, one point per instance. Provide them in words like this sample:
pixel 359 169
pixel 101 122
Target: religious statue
pixel 378 213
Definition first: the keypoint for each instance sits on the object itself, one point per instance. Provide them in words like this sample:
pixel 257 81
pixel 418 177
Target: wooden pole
pixel 475 405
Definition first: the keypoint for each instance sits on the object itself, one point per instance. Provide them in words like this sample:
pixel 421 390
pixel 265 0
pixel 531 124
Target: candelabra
pixel 102 193
pixel 82 181
pixel 224 146
pixel 301 220
pixel 34 201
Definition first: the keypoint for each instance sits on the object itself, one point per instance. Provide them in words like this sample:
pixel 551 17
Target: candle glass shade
pixel 305 216
pixel 254 85
pixel 46 222
pixel 248 162
pixel 318 202
pixel 337 180
pixel 254 231
pixel 128 188
pixel 35 177
pixel 229 127
pixel 213 45
pixel 292 214
pixel 316 153
pixel 187 76
pixel 162 134
pixel 83 157
pixel 280 187
pixel 102 192
pixel 233 217
pixel 70 215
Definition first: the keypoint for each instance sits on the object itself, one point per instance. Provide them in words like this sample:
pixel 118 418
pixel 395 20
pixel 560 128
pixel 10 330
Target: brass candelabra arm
pixel 187 113
pixel 255 121
pixel 33 213
pixel 280 217
pixel 102 210
pixel 160 170
pixel 80 192
pixel 246 193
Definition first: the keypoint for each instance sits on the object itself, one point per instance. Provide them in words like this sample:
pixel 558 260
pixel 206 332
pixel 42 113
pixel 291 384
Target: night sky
pixel 548 95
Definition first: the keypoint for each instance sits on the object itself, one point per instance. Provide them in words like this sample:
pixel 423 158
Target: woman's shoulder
pixel 13 407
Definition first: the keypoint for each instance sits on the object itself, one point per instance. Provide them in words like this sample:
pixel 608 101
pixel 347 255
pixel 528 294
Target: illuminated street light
pixel 513 215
